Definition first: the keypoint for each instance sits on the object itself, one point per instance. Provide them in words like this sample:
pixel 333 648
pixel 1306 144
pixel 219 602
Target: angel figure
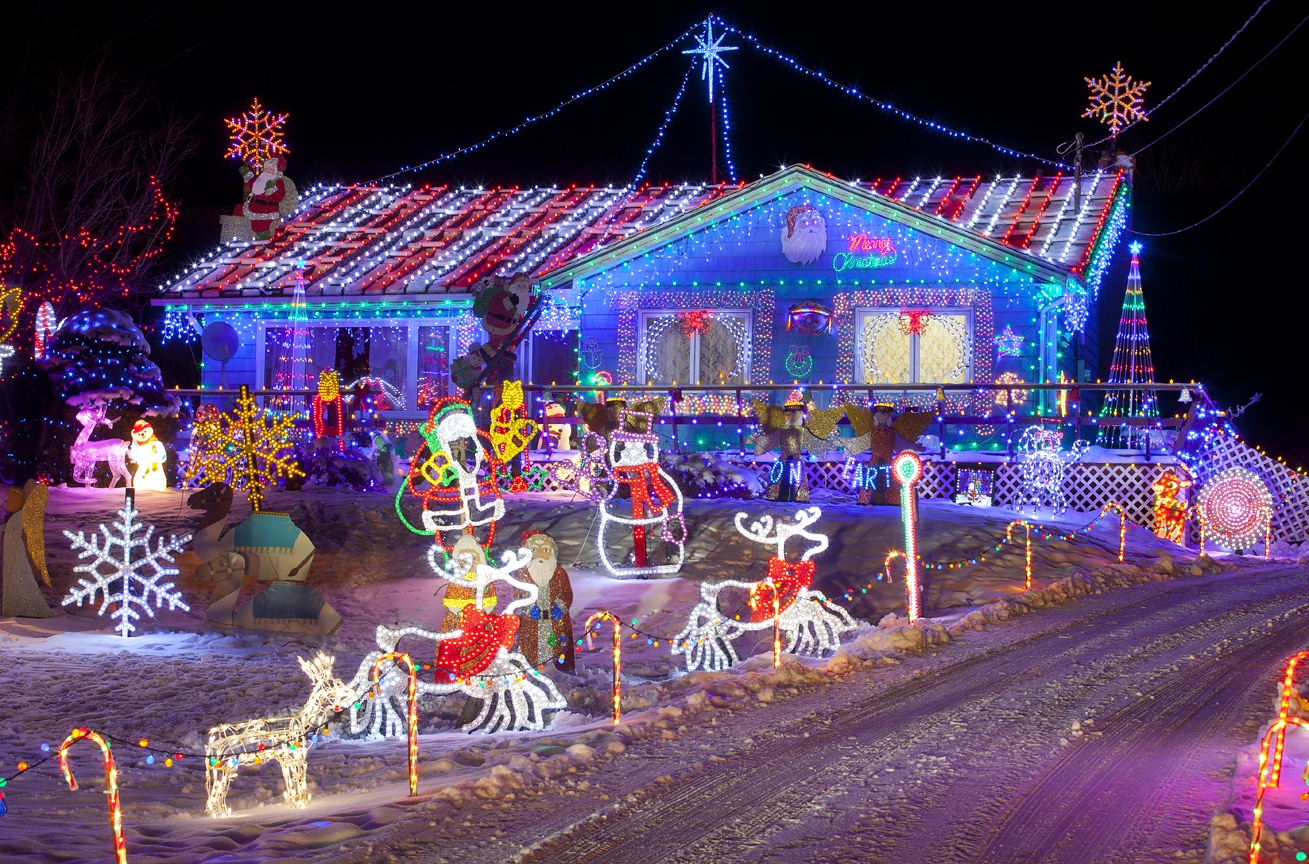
pixel 882 437
pixel 796 428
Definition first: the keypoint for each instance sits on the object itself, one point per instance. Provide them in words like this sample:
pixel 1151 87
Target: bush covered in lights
pixel 352 469
pixel 707 475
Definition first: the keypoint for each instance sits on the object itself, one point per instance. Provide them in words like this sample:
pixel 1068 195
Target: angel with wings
pixel 881 437
pixel 795 428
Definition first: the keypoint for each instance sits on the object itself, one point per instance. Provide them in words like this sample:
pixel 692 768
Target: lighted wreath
pixel 1235 508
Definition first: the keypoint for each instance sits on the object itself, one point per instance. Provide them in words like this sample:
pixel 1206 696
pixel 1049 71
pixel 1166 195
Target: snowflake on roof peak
pixel 256 135
pixel 1116 100
pixel 124 573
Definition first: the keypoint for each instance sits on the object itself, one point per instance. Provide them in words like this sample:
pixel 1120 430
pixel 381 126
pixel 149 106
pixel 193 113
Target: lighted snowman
pixel 655 499
pixel 149 454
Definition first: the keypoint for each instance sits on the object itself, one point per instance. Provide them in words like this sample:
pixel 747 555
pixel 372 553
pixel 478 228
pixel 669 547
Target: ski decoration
pixel 139 580
pixel 811 625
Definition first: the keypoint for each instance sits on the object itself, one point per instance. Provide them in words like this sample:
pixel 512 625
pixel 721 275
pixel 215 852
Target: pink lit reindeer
pixel 86 453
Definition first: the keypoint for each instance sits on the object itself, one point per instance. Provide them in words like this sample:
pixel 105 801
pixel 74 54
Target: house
pixel 944 280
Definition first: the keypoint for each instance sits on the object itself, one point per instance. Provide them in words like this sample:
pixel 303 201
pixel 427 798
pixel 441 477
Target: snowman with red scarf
pixel 654 496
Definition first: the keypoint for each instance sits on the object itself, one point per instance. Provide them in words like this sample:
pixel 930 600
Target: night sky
pixel 371 88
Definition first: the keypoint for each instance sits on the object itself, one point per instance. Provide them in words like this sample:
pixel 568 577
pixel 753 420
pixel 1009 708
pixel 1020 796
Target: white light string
pixel 886 106
pixel 663 127
pixel 1145 115
pixel 504 133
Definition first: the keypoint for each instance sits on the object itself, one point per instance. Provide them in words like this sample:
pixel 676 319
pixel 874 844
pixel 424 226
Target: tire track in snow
pixel 724 813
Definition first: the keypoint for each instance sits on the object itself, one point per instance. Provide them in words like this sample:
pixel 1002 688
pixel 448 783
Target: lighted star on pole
pixel 710 48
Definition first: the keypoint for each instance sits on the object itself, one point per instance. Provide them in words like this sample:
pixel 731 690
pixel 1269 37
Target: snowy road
pixel 1099 731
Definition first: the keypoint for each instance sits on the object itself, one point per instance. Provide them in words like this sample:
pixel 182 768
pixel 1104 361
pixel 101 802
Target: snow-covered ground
pixel 182 676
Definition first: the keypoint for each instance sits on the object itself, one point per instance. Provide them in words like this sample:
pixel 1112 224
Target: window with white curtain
pixel 688 347
pixel 918 346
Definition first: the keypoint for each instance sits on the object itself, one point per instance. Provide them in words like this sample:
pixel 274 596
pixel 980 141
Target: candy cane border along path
pixel 111 784
pixel 1270 770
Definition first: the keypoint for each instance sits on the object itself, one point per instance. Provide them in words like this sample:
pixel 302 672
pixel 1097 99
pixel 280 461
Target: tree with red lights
pixel 85 215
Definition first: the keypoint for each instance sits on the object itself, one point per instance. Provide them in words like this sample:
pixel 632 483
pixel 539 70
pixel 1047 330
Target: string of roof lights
pixel 713 72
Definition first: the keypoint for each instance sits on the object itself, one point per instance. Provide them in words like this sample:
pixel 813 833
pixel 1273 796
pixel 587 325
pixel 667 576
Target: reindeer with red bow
pixel 812 625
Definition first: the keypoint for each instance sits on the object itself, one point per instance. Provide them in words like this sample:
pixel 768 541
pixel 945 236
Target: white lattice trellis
pixel 1289 491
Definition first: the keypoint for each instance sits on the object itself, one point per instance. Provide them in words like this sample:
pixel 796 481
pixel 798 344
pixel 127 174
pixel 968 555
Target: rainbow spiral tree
pixel 1235 509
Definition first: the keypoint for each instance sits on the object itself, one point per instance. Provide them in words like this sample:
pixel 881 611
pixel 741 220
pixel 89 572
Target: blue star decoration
pixel 710 48
pixel 1008 343
pixel 1135 246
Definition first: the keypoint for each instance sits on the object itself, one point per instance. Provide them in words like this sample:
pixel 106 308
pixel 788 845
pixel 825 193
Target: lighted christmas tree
pixel 1132 364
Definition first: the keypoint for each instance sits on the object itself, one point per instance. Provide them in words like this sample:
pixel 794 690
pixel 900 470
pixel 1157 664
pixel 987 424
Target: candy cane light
pixel 907 470
pixel 618 657
pixel 111 784
pixel 1270 751
pixel 413 709
pixel 1009 538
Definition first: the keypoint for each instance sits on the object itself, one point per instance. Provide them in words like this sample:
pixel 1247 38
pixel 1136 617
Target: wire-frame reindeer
pixel 810 623
pixel 284 739
pixel 1043 464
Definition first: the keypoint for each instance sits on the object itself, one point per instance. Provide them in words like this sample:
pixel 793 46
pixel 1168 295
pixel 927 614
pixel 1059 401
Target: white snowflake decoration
pixel 145 571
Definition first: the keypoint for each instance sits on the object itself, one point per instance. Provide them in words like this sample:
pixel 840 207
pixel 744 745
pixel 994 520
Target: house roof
pixel 432 242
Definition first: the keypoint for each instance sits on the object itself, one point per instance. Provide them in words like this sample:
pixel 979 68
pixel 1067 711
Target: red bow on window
pixel 695 321
pixel 473 650
pixel 789 577
pixel 916 318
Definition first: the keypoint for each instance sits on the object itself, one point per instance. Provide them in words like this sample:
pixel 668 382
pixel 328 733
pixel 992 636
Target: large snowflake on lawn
pixel 122 580
pixel 248 449
pixel 1116 100
pixel 256 135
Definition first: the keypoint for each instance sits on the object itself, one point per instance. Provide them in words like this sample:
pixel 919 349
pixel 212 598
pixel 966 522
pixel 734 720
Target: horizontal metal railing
pixel 1006 415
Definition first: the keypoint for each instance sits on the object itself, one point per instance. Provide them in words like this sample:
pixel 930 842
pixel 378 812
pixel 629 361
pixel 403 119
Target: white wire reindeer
pixel 514 695
pixel 284 739
pixel 811 624
pixel 1043 465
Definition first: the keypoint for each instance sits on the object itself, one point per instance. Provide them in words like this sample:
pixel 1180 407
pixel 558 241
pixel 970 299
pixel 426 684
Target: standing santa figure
pixel 545 633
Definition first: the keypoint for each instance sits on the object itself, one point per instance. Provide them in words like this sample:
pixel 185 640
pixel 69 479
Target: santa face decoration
pixel 804 236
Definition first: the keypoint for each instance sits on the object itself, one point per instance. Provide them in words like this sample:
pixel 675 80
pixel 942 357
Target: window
pixel 552 356
pixel 708 346
pixel 435 350
pixel 914 346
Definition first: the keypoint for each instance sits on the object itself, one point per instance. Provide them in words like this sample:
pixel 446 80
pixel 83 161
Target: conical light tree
pixel 1132 364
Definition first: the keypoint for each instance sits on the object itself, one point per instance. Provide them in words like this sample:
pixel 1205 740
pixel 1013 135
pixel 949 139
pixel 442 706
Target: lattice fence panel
pixel 1290 492
pixel 1088 486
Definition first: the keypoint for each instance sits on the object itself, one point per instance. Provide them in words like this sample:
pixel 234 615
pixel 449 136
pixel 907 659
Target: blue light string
pixel 504 133
pixel 727 127
pixel 886 106
pixel 663 127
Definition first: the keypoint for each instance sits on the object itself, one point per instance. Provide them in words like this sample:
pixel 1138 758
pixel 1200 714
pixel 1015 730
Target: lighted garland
pixel 1235 508
pixel 1270 750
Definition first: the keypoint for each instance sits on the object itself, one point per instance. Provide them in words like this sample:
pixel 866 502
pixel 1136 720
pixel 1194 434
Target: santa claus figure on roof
pixel 269 195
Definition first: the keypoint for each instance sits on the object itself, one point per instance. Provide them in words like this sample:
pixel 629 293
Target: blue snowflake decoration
pixel 1008 343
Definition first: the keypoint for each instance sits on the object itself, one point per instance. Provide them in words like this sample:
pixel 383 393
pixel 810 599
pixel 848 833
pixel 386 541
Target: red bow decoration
pixel 789 577
pixel 472 652
pixel 695 321
pixel 912 321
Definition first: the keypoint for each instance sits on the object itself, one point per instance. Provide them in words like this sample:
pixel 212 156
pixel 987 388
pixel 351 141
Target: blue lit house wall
pixel 735 260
